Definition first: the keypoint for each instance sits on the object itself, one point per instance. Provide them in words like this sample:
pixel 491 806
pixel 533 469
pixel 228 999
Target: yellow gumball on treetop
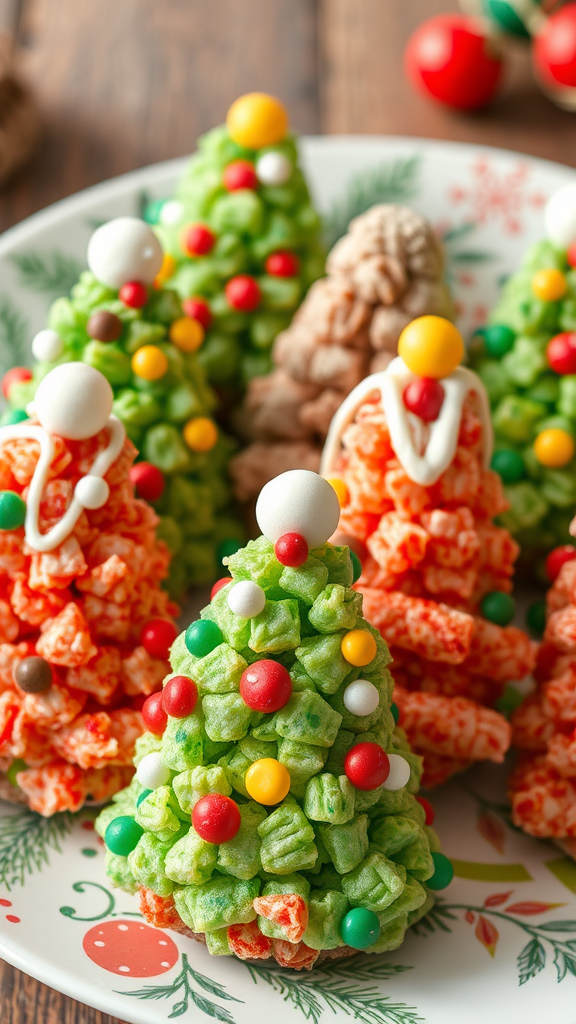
pixel 256 120
pixel 431 346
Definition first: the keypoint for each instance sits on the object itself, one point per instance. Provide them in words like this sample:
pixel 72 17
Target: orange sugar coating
pixel 454 727
pixel 160 911
pixel 438 769
pixel 543 803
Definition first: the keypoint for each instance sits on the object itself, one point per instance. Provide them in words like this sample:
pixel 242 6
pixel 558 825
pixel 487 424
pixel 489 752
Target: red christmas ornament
pixel 282 264
pixel 130 948
pixel 291 549
pixel 424 397
pixel 197 240
pixel 157 637
pixel 155 718
pixel 557 558
pixel 147 480
pixel 427 808
pixel 266 686
pixel 243 293
pixel 133 294
pixel 179 697
pixel 216 818
pixel 571 255
pixel 218 586
pixel 239 174
pixel 561 353
pixel 449 58
pixel 18 374
pixel 367 766
pixel 554 53
pixel 198 309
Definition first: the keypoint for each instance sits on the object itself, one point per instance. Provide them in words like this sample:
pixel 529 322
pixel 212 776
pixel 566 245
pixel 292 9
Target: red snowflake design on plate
pixel 495 195
pixel 130 948
pixel 9 917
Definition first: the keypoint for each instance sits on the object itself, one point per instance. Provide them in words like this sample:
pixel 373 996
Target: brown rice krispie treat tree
pixel 385 272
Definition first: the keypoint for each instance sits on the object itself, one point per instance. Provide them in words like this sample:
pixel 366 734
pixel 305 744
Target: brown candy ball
pixel 104 326
pixel 33 675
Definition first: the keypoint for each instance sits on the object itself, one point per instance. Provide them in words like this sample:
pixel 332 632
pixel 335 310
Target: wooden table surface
pixel 124 83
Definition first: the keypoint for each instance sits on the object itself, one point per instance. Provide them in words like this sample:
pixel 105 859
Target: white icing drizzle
pixel 61 530
pixel 426 465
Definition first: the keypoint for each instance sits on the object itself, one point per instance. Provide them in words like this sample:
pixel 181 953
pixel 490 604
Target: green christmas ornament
pixel 360 928
pixel 536 617
pixel 509 465
pixel 498 607
pixel 443 872
pixel 395 712
pixel 356 565
pixel 12 510
pixel 143 795
pixel 498 340
pixel 202 637
pixel 122 835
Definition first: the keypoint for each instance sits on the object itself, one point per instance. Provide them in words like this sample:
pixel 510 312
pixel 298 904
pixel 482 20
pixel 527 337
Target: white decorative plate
pixel 501 944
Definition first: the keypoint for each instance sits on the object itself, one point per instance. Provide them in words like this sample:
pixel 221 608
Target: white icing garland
pixel 426 466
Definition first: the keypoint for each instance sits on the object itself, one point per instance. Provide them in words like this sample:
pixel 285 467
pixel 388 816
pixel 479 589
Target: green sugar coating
pixel 527 396
pixel 328 842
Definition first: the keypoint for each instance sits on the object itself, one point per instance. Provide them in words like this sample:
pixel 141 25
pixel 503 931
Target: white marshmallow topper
pixel 73 401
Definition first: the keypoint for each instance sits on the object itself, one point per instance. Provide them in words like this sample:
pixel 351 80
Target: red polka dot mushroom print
pixel 130 948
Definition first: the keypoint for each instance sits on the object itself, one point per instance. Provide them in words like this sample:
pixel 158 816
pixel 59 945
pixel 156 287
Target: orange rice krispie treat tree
pixel 410 448
pixel 84 626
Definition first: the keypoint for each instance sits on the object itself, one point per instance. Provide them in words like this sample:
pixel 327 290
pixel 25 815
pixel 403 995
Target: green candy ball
pixel 536 617
pixel 498 340
pixel 395 713
pixel 227 547
pixel 360 928
pixel 13 416
pixel 506 17
pixel 122 835
pixel 143 795
pixel 152 210
pixel 12 510
pixel 509 465
pixel 202 637
pixel 498 607
pixel 443 872
pixel 356 566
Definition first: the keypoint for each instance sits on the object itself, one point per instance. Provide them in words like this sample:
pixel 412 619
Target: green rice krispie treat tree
pixel 120 321
pixel 526 357
pixel 244 238
pixel 273 812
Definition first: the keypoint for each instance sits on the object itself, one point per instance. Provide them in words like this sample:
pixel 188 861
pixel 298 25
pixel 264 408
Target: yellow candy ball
pixel 342 492
pixel 200 434
pixel 149 362
pixel 166 270
pixel 257 120
pixel 549 284
pixel 554 448
pixel 186 334
pixel 267 781
pixel 431 346
pixel 358 647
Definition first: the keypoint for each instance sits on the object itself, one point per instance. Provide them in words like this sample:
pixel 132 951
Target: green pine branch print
pixel 348 987
pixel 393 182
pixel 25 842
pixel 50 273
pixel 13 335
pixel 182 986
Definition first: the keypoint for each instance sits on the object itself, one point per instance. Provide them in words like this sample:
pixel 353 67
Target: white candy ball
pixel 172 212
pixel 124 249
pixel 74 401
pixel 298 501
pixel 361 697
pixel 246 599
pixel 92 491
pixel 399 772
pixel 273 168
pixel 560 216
pixel 47 346
pixel 152 772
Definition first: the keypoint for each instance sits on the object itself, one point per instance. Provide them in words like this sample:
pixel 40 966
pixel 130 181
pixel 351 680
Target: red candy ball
pixel 179 697
pixel 147 480
pixel 571 255
pixel 424 397
pixel 216 818
pixel 16 375
pixel 282 264
pixel 554 49
pixel 561 353
pixel 367 766
pixel 243 293
pixel 198 309
pixel 427 808
pixel 198 240
pixel 157 638
pixel 239 174
pixel 155 718
pixel 557 558
pixel 291 549
pixel 266 686
pixel 218 586
pixel 133 294
pixel 449 58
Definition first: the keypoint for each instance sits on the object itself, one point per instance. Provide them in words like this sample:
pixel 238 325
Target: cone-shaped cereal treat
pixel 526 357
pixel 84 627
pixel 409 451
pixel 387 270
pixel 121 322
pixel 273 812
pixel 243 239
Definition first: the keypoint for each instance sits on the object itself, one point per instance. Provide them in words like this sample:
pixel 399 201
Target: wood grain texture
pixel 25 1001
